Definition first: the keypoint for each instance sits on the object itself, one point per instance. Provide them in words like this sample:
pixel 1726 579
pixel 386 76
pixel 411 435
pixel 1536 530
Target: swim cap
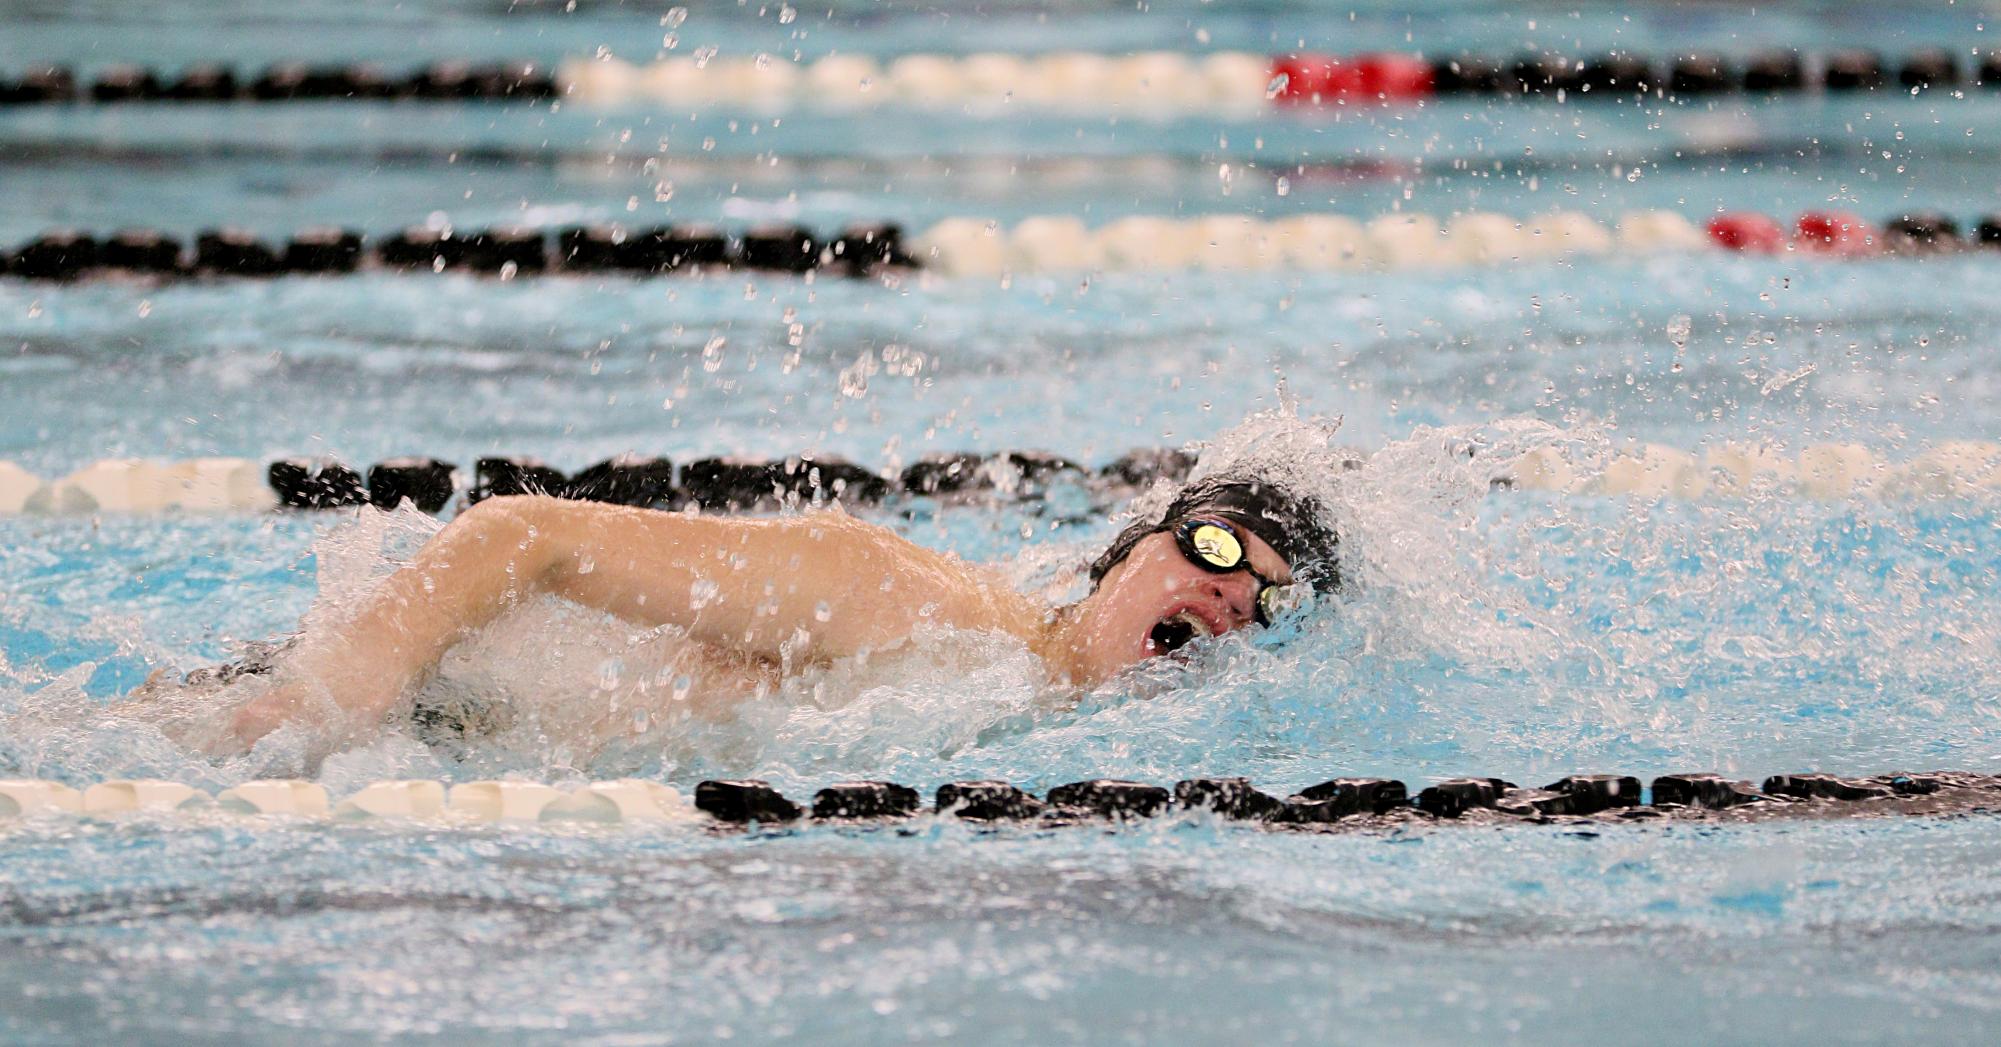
pixel 1287 522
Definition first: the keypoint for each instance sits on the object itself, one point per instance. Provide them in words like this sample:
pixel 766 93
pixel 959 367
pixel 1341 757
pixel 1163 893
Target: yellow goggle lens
pixel 1218 546
pixel 1275 600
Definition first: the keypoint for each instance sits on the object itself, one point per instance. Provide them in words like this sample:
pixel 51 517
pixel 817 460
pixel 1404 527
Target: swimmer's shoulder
pixel 966 593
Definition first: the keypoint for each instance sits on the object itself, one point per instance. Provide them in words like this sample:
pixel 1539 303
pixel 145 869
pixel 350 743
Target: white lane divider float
pixel 626 800
pixel 119 796
pixel 198 485
pixel 972 246
pixel 30 796
pixel 1159 83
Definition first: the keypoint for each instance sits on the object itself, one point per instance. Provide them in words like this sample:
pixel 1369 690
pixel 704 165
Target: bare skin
pixel 796 590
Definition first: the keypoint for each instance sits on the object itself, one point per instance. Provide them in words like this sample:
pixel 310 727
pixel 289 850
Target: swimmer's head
pixel 1221 557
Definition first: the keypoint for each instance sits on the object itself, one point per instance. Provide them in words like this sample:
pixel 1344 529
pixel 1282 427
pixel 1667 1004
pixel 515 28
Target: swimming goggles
pixel 1216 545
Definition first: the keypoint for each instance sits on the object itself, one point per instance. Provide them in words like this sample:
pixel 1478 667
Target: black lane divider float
pixel 1380 802
pixel 68 254
pixel 722 483
pixel 1778 71
pixel 285 82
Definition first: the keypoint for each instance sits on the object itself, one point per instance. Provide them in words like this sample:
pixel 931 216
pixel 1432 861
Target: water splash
pixel 1520 633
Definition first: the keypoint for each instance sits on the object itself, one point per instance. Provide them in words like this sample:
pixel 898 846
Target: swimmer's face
pixel 1154 601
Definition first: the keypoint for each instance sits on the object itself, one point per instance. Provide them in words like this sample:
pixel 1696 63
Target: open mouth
pixel 1175 631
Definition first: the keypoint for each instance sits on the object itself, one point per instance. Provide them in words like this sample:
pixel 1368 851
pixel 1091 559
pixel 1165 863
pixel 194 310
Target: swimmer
pixel 764 594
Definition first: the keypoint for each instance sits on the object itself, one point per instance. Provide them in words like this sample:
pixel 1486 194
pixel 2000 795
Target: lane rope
pixel 1244 83
pixel 66 254
pixel 1822 471
pixel 1164 82
pixel 979 247
pixel 1337 803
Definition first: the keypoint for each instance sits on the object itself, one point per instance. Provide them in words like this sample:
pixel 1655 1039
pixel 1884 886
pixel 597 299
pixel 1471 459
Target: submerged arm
pixel 820 585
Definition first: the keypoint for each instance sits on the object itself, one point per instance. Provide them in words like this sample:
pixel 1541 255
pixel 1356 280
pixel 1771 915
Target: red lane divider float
pixel 1844 235
pixel 1318 79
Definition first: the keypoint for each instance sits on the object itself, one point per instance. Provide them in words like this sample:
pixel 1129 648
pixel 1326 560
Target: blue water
pixel 1518 634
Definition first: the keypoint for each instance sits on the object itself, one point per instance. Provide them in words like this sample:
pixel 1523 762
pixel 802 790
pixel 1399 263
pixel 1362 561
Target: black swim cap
pixel 1287 522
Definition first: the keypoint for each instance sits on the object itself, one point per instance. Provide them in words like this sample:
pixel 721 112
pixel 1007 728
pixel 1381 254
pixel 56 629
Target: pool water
pixel 1512 633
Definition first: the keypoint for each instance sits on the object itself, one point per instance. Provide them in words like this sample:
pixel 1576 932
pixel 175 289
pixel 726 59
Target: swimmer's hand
pixel 267 712
pixel 316 686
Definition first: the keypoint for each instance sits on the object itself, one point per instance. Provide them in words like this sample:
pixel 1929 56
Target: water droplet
pixel 822 612
pixel 1277 86
pixel 1678 330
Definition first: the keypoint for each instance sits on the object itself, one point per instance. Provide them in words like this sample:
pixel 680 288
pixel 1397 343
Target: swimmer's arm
pixel 817 586
pixel 821 585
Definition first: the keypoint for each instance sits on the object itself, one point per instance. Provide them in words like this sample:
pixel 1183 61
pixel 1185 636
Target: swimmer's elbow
pixel 521 532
